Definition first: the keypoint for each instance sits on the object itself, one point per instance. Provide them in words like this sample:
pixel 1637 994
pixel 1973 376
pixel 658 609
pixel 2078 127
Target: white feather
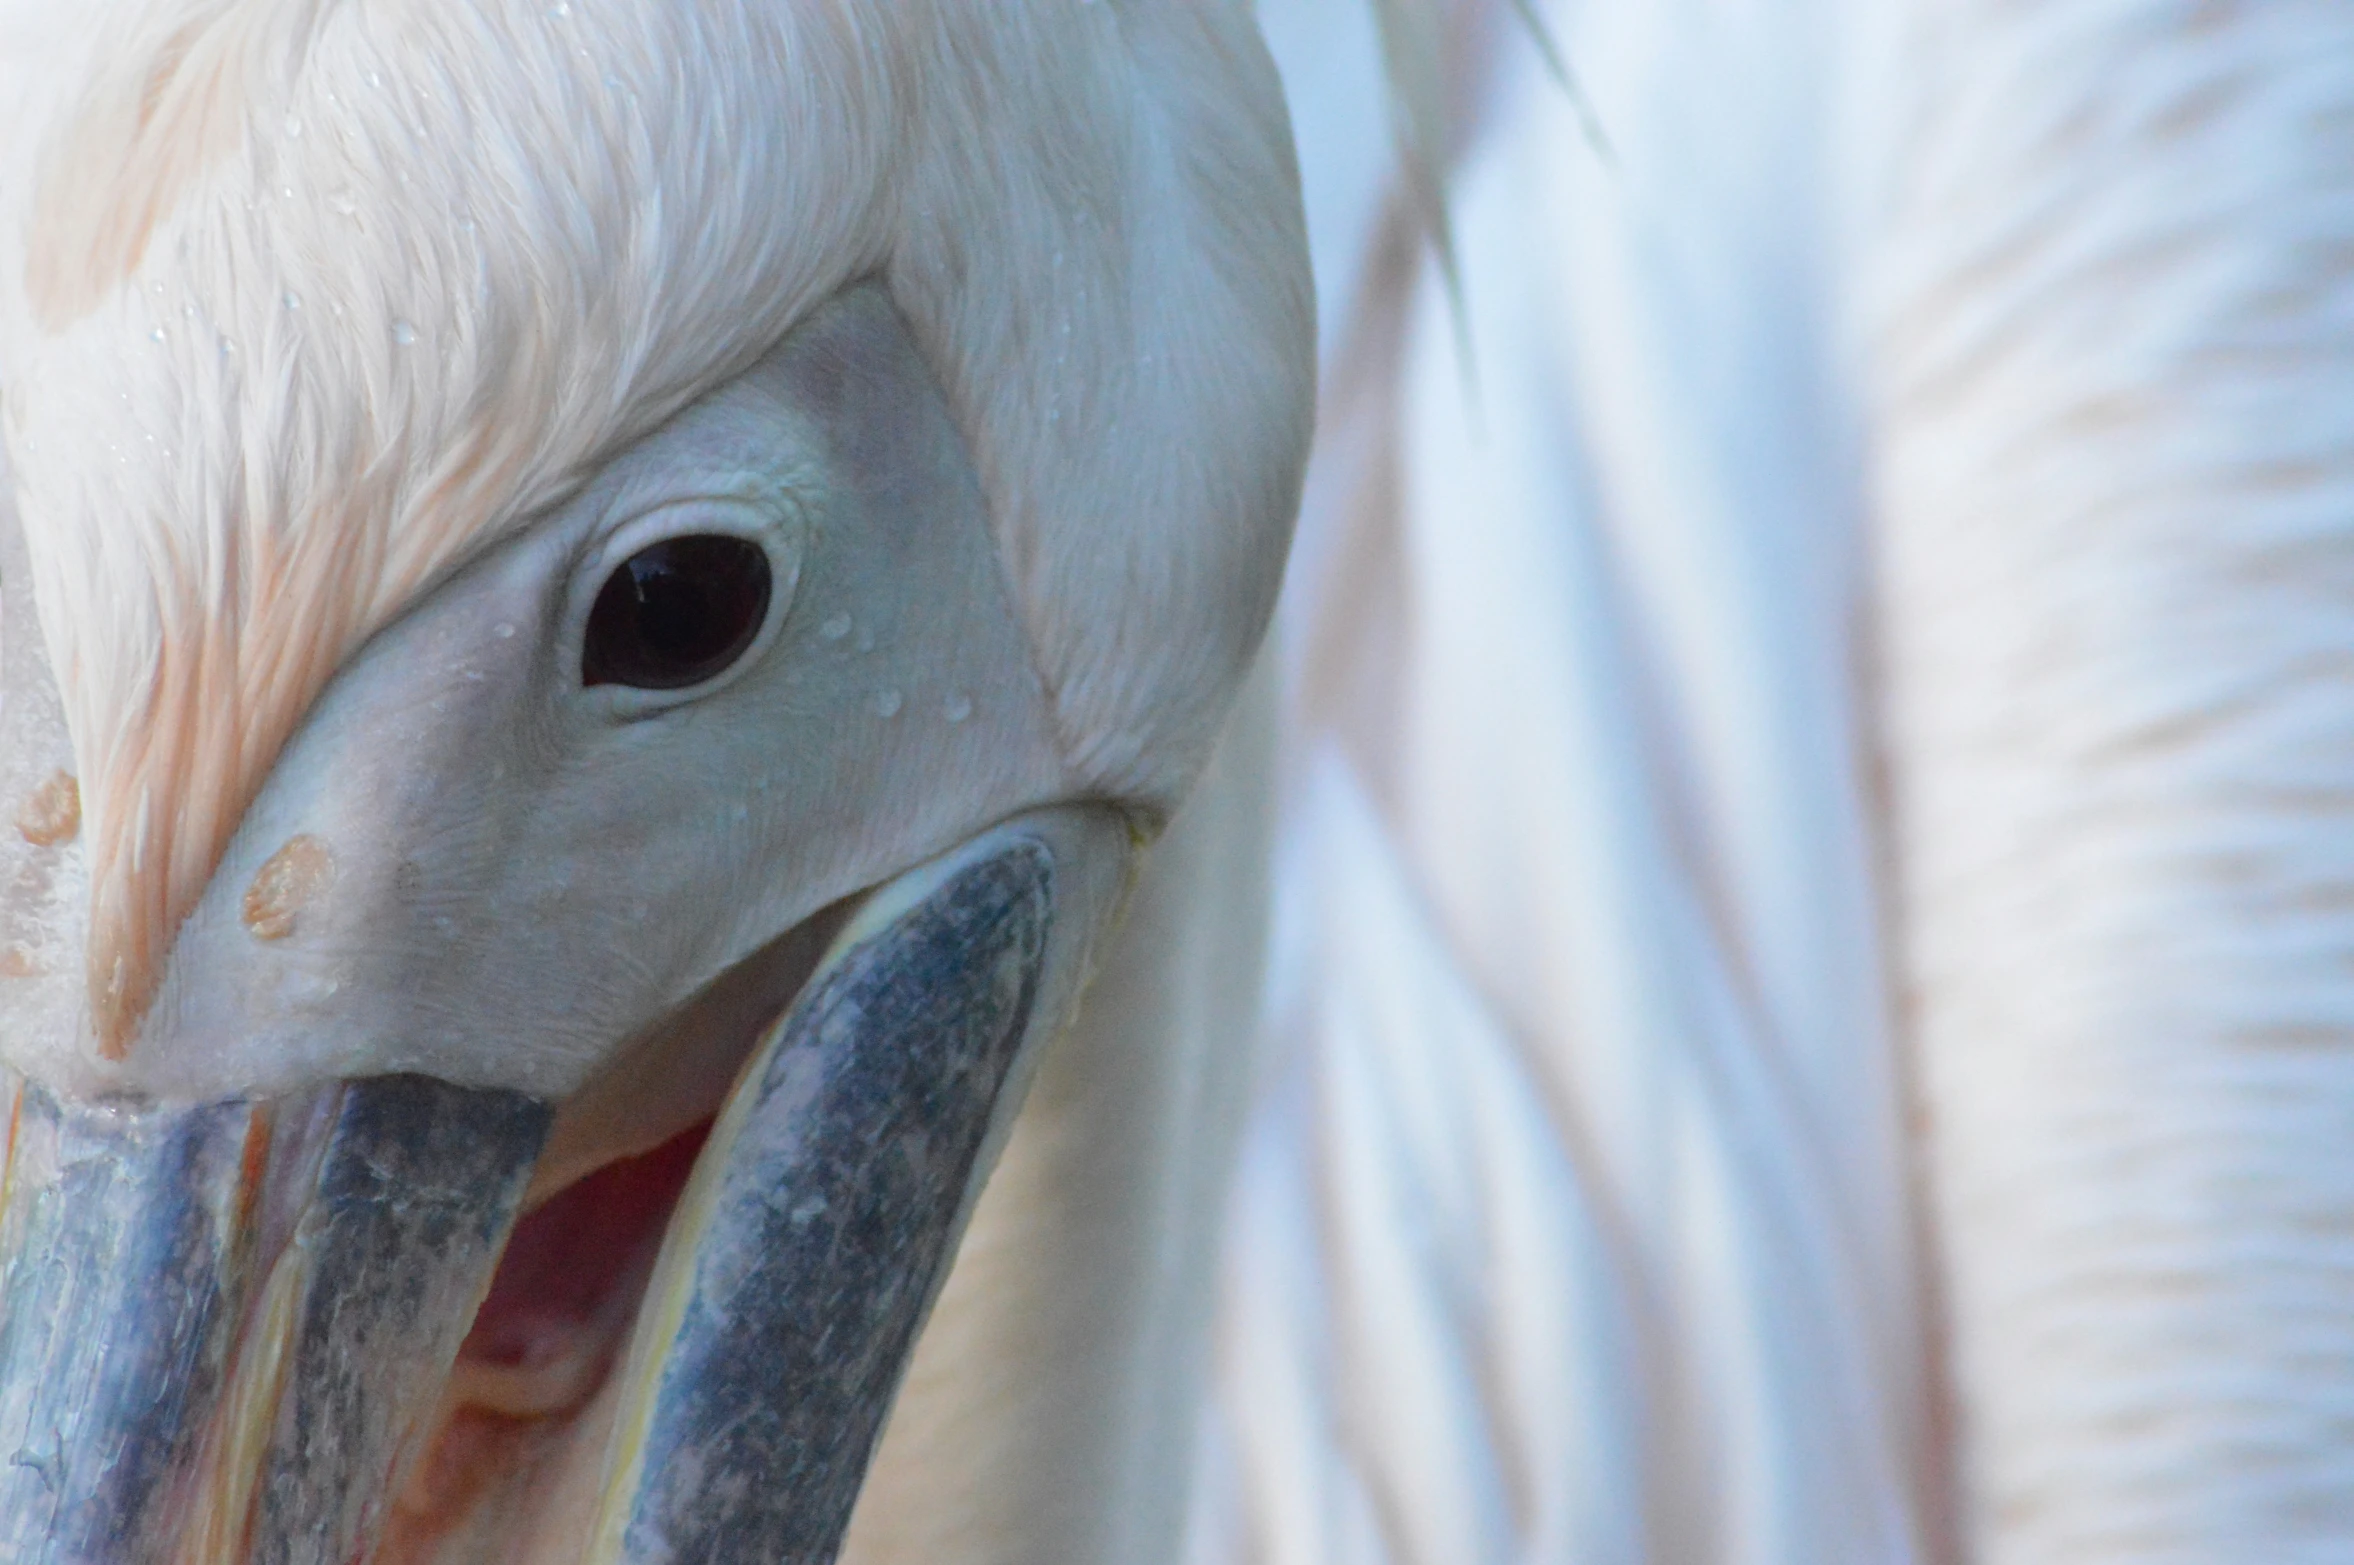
pixel 1619 777
pixel 2113 352
pixel 1952 383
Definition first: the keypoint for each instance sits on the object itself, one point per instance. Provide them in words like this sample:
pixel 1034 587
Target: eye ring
pixel 678 612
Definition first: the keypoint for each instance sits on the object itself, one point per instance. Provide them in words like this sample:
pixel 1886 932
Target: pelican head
pixel 596 603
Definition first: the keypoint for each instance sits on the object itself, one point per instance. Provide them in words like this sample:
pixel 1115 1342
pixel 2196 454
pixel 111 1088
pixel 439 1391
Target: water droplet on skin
pixel 296 876
pixel 404 334
pixel 836 628
pixel 887 704
pixel 959 708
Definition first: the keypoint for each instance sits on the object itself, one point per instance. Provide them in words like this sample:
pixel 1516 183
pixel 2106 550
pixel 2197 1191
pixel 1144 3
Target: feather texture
pixel 2113 347
pixel 1847 704
pixel 1585 890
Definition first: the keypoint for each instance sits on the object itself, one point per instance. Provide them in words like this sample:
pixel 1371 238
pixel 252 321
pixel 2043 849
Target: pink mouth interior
pixel 521 1416
pixel 583 1252
pixel 546 1338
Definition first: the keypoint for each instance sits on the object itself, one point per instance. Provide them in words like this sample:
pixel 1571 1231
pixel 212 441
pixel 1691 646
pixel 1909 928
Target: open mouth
pixel 553 1325
pixel 399 1319
pixel 541 1347
pixel 568 1285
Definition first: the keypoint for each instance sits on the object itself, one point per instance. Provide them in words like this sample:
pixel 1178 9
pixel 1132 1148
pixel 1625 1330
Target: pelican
pixel 1810 949
pixel 602 600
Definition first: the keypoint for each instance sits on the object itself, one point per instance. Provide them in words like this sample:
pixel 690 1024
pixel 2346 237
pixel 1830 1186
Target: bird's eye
pixel 677 613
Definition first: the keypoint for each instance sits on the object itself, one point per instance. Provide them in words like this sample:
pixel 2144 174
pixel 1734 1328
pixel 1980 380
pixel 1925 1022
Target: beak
pixel 220 1326
pixel 224 1328
pixel 822 1216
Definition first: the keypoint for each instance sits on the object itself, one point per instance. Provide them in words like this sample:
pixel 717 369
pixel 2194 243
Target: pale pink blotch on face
pixel 53 814
pixel 296 876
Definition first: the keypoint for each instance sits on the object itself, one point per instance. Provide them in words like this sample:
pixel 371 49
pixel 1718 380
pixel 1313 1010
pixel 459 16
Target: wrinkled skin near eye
pixel 677 613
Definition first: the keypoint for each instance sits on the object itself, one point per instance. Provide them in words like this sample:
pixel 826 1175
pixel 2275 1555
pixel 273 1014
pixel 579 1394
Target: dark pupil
pixel 676 613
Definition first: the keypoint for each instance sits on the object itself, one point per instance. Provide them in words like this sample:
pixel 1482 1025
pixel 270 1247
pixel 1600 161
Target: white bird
pixel 619 587
pixel 1808 966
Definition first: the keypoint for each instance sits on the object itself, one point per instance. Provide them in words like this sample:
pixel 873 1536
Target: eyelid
pixel 751 506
